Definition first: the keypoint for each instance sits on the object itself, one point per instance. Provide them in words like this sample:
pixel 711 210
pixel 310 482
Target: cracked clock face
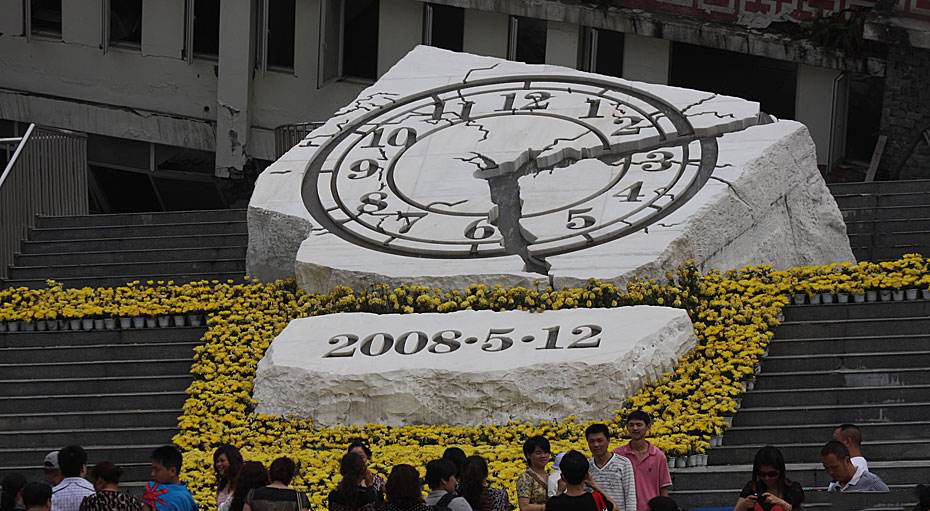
pixel 529 165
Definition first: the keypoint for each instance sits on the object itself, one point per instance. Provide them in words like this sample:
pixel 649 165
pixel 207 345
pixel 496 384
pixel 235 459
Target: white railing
pixel 289 135
pixel 46 175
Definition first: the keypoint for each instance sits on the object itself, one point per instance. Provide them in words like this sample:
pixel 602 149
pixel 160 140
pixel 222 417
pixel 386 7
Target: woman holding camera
pixel 770 489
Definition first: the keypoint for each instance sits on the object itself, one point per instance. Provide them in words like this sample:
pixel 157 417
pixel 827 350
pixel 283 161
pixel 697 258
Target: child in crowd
pixel 166 492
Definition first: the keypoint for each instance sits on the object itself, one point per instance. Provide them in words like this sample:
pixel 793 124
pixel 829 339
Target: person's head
pixel 73 461
pixel 835 459
pixel 52 468
pixel 474 476
pixel 638 424
pixel 849 435
pixel 352 470
pixel 361 448
pixel 661 503
pixel 574 467
pixel 403 485
pixel 440 475
pixel 37 497
pixel 12 493
pixel 166 464
pixel 768 467
pixel 536 451
pixel 252 475
pixel 105 474
pixel 282 470
pixel 598 437
pixel 923 498
pixel 457 457
pixel 227 460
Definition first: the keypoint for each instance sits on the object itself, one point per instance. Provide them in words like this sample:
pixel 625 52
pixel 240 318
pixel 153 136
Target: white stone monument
pixel 455 169
pixel 468 367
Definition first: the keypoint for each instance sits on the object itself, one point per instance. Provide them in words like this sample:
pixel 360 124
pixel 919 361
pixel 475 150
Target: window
pixel 444 27
pixel 126 23
pixel 527 40
pixel 45 18
pixel 349 39
pixel 206 27
pixel 281 34
pixel 602 51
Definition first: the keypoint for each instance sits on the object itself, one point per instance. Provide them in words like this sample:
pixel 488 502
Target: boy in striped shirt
pixel 611 473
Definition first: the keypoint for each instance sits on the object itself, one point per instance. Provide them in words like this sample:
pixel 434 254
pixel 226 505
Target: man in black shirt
pixel 574 468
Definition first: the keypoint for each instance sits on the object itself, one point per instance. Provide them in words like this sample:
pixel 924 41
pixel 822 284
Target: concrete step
pixel 900 498
pixel 868 310
pixel 142 219
pixel 97 418
pixel 149 367
pixel 121 280
pixel 879 187
pixel 877 254
pixel 811 414
pixel 81 402
pixel 881 450
pixel 887 226
pixel 126 231
pixel 883 213
pixel 64 386
pixel 829 362
pixel 134 474
pixel 100 337
pixel 56 438
pixel 854 327
pixel 843 378
pixel 136 242
pixel 891 239
pixel 35 355
pixel 812 433
pixel 130 269
pixel 866 200
pixel 863 344
pixel 118 454
pixel 130 256
pixel 836 396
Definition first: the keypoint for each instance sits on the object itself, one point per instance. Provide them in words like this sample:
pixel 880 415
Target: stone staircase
pixel 867 364
pixel 118 393
pixel 885 219
pixel 110 250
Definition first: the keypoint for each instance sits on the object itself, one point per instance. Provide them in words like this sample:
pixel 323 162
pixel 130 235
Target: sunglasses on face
pixel 771 474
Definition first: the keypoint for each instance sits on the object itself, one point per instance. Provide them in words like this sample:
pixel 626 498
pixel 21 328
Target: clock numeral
pixel 479 232
pixel 657 161
pixel 373 202
pixel 538 101
pixel 627 125
pixel 593 106
pixel 439 108
pixel 408 134
pixel 408 223
pixel 631 193
pixel 578 215
pixel 364 168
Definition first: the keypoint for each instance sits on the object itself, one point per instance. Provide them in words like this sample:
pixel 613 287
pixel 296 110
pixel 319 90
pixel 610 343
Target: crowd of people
pixel 633 477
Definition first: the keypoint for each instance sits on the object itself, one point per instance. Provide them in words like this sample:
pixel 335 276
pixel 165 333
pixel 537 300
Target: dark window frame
pixel 30 25
pixel 122 43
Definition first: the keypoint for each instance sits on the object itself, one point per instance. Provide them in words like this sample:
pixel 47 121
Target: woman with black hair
pixel 371 479
pixel 106 477
pixel 227 460
pixel 350 495
pixel 404 490
pixel 770 489
pixel 278 496
pixel 252 475
pixel 11 499
pixel 474 487
pixel 532 485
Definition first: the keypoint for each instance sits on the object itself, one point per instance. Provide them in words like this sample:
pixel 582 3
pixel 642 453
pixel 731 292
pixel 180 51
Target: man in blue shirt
pixel 166 492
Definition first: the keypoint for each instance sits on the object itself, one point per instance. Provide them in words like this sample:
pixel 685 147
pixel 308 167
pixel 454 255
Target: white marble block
pixel 456 169
pixel 468 367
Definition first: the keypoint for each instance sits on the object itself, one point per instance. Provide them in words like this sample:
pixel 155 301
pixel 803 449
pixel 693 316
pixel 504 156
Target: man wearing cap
pixel 68 494
pixel 52 470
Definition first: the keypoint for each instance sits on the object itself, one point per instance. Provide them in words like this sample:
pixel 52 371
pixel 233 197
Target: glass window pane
pixel 360 39
pixel 448 28
pixel 281 33
pixel 206 27
pixel 126 22
pixel 531 40
pixel 609 57
pixel 46 17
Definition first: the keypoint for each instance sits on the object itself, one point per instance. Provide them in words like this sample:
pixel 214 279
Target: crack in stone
pixel 470 71
pixel 715 114
pixel 701 102
pixel 478 157
pixel 734 190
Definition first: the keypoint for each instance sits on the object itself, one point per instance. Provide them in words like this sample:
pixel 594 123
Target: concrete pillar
pixel 163 28
pixel 562 44
pixel 646 59
pixel 400 28
pixel 82 23
pixel 814 108
pixel 486 33
pixel 11 22
pixel 234 86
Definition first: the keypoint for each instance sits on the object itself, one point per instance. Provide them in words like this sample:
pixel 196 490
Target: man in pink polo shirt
pixel 650 468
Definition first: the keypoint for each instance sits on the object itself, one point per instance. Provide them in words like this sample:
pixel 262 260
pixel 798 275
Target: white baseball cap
pixel 51 461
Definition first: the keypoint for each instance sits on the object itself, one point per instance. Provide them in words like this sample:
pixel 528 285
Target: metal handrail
pixel 19 149
pixel 289 135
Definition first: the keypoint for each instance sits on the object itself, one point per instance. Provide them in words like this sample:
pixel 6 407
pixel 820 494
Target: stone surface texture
pixel 469 385
pixel 764 202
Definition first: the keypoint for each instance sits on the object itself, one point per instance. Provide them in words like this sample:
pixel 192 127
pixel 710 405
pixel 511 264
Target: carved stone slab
pixel 467 367
pixel 456 169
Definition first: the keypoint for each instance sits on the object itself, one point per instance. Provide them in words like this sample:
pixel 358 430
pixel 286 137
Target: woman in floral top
pixel 106 478
pixel 371 479
pixel 532 489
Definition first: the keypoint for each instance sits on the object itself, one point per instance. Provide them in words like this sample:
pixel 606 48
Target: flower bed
pixel 734 316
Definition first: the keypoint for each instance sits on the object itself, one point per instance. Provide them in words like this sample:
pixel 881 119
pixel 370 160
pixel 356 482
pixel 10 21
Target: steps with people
pixel 866 364
pixel 118 393
pixel 885 219
pixel 110 250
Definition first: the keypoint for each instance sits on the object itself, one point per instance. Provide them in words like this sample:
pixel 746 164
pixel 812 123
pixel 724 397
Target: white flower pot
pixel 195 319
pixel 125 323
pixel 13 326
pixel 99 324
pixel 138 322
pixel 898 295
pixel 681 462
pixel 750 384
pixel 75 324
pixel 815 299
pixel 40 325
pixel 87 324
pixel 911 294
pixel 842 297
pixel 799 298
pixel 671 461
pixel 109 323
pixel 29 326
pixel 871 296
pixel 150 323
pixel 179 320
pixel 885 295
pixel 163 321
pixel 859 297
pixel 3 326
pixel 64 324
pixel 52 324
pixel 925 294
pixel 827 297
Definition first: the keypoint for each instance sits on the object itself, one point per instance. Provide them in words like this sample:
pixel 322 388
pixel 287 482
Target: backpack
pixel 443 503
pixel 599 501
